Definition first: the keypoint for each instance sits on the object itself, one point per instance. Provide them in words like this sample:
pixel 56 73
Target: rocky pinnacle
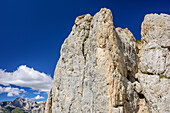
pixel 103 70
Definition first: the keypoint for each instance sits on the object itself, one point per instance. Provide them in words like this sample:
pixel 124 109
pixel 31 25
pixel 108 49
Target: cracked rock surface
pixel 154 57
pixel 156 91
pixel 96 72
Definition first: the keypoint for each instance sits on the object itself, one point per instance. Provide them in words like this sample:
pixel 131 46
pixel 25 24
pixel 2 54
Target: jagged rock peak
pixel 92 74
pixel 101 69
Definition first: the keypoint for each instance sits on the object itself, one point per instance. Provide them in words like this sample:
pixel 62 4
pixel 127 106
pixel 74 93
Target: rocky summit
pixel 103 69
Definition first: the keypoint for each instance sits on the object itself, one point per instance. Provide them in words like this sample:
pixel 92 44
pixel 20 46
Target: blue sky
pixel 32 31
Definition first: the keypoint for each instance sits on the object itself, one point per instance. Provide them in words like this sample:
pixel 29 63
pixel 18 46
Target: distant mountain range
pixel 20 105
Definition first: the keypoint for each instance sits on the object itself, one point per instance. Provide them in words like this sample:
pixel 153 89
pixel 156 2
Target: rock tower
pixel 103 69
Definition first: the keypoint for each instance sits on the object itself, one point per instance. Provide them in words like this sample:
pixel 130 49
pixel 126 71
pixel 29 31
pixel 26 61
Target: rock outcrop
pixel 154 62
pixel 98 69
pixel 154 56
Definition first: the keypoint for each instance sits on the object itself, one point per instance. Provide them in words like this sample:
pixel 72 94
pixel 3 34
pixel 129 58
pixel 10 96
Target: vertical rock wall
pixel 96 72
pixel 154 62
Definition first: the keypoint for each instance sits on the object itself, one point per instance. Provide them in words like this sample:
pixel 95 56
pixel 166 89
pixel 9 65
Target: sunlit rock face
pixel 155 53
pixel 96 67
pixel 96 72
pixel 154 57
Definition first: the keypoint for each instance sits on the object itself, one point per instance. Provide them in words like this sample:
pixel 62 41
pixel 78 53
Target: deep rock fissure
pixel 84 55
pixel 83 49
pixel 141 96
pixel 70 106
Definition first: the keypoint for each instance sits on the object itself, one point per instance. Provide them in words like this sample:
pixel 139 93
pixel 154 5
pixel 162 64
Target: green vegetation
pixel 138 41
pixel 62 108
pixel 18 110
pixel 162 76
pixel 7 109
pixel 34 111
pixel 10 109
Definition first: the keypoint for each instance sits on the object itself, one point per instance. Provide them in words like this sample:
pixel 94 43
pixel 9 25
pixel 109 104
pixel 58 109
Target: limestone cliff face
pixel 156 44
pixel 97 70
pixel 154 57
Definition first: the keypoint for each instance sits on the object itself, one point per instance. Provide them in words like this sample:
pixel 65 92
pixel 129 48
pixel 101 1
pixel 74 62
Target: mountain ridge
pixel 23 105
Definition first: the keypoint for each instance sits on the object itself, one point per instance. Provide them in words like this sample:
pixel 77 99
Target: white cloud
pixel 27 77
pixel 11 91
pixel 23 90
pixel 38 97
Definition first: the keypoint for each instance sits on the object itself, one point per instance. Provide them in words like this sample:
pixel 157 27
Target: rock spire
pixel 103 70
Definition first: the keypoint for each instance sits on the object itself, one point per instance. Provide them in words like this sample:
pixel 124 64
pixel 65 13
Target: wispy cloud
pixel 11 91
pixel 27 77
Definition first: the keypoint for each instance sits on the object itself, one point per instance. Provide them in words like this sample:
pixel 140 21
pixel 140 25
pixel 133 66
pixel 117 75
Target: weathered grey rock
pixel 137 87
pixel 19 102
pixel 143 107
pixel 155 55
pixel 156 91
pixel 96 69
pixel 38 107
pixel 156 28
pixel 128 47
pixel 48 107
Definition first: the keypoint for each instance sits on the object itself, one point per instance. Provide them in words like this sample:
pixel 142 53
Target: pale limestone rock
pixel 156 28
pixel 143 106
pixel 118 110
pixel 97 68
pixel 156 91
pixel 155 59
pixel 69 74
pixel 155 55
pixel 48 107
pixel 94 72
pixel 128 47
pixel 137 87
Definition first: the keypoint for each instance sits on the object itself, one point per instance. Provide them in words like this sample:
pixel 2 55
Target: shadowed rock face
pixel 19 102
pixel 96 70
